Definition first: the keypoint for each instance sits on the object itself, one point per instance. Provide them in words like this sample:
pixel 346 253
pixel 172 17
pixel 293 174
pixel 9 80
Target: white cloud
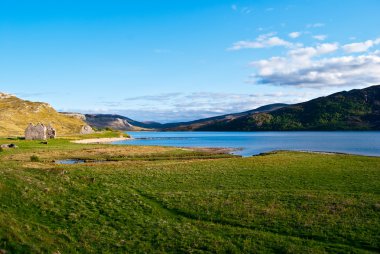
pixel 320 37
pixel 309 52
pixel 294 35
pixel 262 41
pixel 173 107
pixel 360 46
pixel 246 10
pixel 311 67
pixel 243 10
pixel 315 25
pixel 296 59
pixel 327 48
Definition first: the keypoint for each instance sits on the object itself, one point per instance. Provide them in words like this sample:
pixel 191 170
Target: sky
pixel 183 60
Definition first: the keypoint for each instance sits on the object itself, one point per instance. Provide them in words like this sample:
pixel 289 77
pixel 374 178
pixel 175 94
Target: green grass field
pixel 154 200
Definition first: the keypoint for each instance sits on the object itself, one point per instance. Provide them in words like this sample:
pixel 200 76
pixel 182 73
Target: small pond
pixel 69 161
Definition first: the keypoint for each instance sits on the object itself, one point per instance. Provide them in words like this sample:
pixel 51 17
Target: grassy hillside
pixel 353 110
pixel 168 200
pixel 218 120
pixel 16 114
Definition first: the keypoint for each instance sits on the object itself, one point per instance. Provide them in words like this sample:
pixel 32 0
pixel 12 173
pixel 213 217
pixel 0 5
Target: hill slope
pixel 357 109
pixel 16 114
pixel 202 124
pixel 117 122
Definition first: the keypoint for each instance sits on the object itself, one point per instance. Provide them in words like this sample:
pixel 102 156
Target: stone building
pixel 39 132
pixel 50 132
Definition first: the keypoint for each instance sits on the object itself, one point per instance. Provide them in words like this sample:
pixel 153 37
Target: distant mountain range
pixel 118 122
pixel 358 109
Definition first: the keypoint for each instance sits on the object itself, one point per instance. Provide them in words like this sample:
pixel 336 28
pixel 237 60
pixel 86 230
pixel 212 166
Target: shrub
pixel 34 158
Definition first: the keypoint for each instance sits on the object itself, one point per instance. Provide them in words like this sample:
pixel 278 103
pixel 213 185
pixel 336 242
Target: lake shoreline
pixel 99 140
pixel 248 144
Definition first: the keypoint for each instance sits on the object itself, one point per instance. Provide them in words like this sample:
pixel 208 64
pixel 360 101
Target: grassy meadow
pixel 132 199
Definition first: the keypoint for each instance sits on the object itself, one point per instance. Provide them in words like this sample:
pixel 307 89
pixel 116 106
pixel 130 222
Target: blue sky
pixel 182 60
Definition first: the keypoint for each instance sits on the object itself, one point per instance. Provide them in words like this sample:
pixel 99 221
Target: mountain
pixel 16 114
pixel 358 109
pixel 203 124
pixel 118 122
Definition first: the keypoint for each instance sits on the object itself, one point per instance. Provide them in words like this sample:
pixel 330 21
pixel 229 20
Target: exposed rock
pixel 86 129
pixel 6 146
pixel 75 115
pixel 115 122
pixel 39 132
pixel 5 96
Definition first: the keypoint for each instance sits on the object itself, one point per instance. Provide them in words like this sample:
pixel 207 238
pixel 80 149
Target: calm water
pixel 251 143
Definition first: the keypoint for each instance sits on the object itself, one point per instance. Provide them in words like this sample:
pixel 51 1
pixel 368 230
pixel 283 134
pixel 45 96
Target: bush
pixel 34 158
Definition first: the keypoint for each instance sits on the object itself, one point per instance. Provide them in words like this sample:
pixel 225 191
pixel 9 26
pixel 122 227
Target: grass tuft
pixel 34 158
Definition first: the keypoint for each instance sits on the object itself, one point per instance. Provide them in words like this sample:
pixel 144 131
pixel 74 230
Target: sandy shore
pixel 98 140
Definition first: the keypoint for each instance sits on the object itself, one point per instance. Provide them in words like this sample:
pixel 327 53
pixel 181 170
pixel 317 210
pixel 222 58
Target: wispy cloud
pixel 294 34
pixel 320 37
pixel 262 41
pixel 158 97
pixel 315 25
pixel 38 95
pixel 361 46
pixel 191 106
pixel 242 10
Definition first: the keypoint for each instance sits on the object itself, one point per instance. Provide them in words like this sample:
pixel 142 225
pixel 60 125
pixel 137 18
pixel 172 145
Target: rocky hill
pixel 116 122
pixel 357 109
pixel 16 114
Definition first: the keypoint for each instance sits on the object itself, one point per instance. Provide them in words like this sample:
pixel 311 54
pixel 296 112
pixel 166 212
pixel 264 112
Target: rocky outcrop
pixel 115 122
pixel 7 146
pixel 5 96
pixel 39 132
pixel 86 129
pixel 74 115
